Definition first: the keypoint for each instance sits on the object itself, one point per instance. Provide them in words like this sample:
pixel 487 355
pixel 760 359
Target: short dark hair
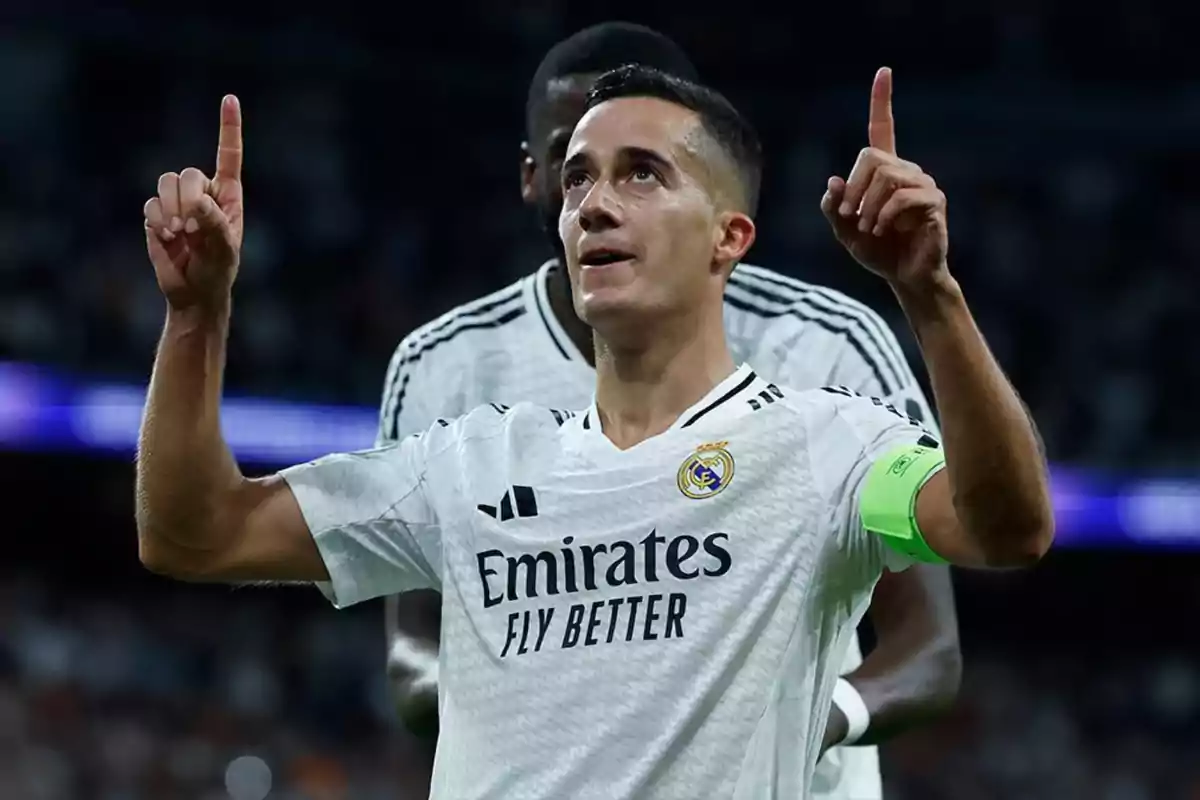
pixel 601 48
pixel 720 120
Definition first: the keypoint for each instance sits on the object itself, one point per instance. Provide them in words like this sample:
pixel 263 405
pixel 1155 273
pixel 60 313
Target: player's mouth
pixel 604 257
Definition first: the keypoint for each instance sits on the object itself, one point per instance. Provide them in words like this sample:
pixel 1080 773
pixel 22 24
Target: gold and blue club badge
pixel 706 472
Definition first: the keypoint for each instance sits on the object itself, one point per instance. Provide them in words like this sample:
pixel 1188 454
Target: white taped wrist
pixel 416 661
pixel 851 704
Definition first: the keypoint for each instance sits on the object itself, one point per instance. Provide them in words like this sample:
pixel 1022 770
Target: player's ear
pixel 528 176
pixel 735 234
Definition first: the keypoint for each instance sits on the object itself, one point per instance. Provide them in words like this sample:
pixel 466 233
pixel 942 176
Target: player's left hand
pixel 889 214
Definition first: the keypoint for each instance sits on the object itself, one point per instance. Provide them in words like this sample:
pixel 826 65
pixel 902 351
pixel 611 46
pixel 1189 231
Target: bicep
pixel 938 523
pixel 265 538
pixel 274 542
pixel 360 525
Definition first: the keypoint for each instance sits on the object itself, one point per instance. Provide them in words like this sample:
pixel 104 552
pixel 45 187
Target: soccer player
pixel 526 343
pixel 649 597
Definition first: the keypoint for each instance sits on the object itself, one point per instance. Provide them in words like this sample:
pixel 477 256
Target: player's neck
pixel 558 290
pixel 642 390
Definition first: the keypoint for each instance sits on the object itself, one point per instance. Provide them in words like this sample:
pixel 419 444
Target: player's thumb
pixel 204 217
pixel 207 228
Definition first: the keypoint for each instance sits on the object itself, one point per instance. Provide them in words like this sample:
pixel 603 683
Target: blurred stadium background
pixel 382 189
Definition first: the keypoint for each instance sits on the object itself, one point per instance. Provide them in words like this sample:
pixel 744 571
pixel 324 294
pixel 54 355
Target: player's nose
pixel 600 209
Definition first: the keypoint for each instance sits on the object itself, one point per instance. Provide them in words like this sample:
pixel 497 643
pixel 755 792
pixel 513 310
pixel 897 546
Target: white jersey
pixel 658 622
pixel 509 347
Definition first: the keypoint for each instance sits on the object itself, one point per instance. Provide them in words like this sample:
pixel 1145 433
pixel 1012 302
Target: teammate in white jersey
pixel 650 598
pixel 525 343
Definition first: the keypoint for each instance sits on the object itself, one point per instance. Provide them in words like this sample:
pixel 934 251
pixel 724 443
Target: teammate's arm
pixel 411 620
pixel 990 506
pixel 412 624
pixel 913 673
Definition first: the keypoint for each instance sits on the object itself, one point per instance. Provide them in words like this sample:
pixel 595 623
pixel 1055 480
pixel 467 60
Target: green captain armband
pixel 888 504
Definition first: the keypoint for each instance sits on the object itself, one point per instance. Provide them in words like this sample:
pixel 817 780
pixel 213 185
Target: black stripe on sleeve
pixel 430 345
pixel 827 301
pixel 844 332
pixel 469 312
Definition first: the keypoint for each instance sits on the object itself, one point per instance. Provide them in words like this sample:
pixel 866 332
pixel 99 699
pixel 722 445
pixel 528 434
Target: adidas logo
pixel 519 501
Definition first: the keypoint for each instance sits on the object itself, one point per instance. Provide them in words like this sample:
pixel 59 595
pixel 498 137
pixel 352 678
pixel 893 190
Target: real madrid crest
pixel 706 472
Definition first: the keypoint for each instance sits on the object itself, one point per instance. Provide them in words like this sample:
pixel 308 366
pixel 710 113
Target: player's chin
pixel 600 306
pixel 608 283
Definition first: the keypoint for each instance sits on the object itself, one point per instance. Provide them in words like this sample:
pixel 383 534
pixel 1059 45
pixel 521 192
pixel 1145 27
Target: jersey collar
pixel 741 381
pixel 541 306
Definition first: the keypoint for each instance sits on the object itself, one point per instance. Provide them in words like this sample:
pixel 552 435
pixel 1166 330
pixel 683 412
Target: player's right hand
pixel 194 224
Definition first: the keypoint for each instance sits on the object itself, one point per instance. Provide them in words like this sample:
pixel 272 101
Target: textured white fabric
pixel 660 622
pixel 508 347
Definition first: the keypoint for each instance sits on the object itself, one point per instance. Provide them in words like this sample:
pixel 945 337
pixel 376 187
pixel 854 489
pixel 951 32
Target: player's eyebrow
pixel 647 155
pixel 627 153
pixel 579 159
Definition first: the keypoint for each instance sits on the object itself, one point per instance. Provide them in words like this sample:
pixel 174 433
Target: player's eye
pixel 573 179
pixel 644 174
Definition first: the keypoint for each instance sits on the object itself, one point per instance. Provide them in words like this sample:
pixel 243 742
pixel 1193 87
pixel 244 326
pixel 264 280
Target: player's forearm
pixel 902 688
pixel 913 673
pixel 995 465
pixel 185 472
pixel 906 684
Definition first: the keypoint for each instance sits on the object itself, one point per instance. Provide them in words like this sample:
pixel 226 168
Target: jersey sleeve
pixel 887 375
pixel 372 518
pixel 857 433
pixel 407 406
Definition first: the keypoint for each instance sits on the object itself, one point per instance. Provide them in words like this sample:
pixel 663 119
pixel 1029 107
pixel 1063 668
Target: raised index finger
pixel 881 130
pixel 229 143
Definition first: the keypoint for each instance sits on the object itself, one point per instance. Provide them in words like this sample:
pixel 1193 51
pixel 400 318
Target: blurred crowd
pixel 381 173
pixel 107 699
pixel 102 698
